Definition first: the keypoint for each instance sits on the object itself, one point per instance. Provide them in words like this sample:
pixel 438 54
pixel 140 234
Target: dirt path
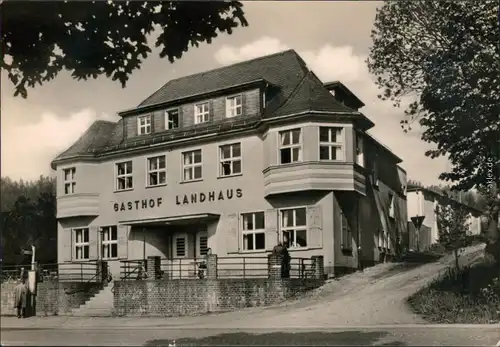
pixel 375 297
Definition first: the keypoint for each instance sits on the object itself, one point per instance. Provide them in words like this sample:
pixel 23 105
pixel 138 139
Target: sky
pixel 333 37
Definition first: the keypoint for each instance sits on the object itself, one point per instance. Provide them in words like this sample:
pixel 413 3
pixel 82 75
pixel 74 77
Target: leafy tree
pixel 39 39
pixel 453 226
pixel 446 56
pixel 28 217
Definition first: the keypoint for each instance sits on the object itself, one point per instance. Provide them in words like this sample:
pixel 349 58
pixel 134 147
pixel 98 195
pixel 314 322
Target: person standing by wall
pixel 21 297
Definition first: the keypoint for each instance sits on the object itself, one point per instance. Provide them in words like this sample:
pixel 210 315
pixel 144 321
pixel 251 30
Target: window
pixel 203 245
pixel 180 246
pixel 234 106
pixel 391 206
pixel 360 158
pixel 330 143
pixel 69 180
pixel 253 228
pixel 144 125
pixel 290 146
pixel 81 242
pixel 294 227
pixel 230 159
pixel 201 113
pixel 332 92
pixel 124 175
pixel 157 171
pixel 346 235
pixel 109 242
pixel 172 119
pixel 192 167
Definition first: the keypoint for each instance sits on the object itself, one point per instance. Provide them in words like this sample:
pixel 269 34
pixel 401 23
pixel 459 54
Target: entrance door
pixel 201 247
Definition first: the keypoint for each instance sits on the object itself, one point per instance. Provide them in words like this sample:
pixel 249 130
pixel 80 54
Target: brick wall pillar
pixel 274 266
pixel 153 267
pixel 319 266
pixel 211 266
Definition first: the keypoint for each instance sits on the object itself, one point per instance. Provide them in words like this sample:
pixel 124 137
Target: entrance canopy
pixel 175 220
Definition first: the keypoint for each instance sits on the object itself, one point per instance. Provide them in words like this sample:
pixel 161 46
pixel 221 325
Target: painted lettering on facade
pixel 137 204
pixel 195 198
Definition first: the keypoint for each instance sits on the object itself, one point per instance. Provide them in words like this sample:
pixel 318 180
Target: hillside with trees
pixel 28 217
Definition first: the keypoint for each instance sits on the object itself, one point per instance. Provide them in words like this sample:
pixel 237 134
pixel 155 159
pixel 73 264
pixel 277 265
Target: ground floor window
pixel 81 243
pixel 346 235
pixel 180 246
pixel 253 230
pixel 293 225
pixel 203 245
pixel 109 242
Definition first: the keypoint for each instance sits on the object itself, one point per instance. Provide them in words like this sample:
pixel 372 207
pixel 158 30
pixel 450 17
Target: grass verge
pixel 468 296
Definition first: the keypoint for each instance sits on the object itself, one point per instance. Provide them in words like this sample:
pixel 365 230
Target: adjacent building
pixel 423 202
pixel 234 159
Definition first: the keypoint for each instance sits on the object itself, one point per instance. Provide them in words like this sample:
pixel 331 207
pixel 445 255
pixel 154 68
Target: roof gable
pixel 311 95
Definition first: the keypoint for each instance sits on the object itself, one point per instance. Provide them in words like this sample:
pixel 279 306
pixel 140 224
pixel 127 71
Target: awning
pixel 174 220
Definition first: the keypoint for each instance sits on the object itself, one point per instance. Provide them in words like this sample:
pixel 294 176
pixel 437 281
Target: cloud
pixel 28 149
pixel 341 63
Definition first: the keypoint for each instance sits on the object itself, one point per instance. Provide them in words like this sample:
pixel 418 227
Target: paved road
pixel 402 335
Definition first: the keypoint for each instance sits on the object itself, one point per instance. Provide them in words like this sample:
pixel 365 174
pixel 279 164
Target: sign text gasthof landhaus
pixel 194 198
pixel 185 199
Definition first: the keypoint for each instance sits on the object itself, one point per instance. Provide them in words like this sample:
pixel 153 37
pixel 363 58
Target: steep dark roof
pixel 294 89
pixel 98 135
pixel 283 69
pixel 310 95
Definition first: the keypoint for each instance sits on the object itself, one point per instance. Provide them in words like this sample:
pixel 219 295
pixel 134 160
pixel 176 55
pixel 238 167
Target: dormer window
pixel 234 106
pixel 172 119
pixel 201 113
pixel 332 92
pixel 144 125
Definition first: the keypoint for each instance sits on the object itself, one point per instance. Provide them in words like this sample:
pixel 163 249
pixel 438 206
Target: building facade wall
pixel 96 202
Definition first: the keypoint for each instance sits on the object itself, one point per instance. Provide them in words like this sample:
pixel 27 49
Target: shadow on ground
pixel 343 338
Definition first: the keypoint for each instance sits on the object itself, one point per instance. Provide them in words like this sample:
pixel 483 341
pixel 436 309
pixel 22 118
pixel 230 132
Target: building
pixel 423 202
pixel 233 159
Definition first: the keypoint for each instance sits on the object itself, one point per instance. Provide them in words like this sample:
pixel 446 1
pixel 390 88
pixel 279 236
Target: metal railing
pixel 227 267
pixel 11 273
pixel 133 269
pixel 183 268
pixel 302 268
pixel 62 272
pixel 242 267
pixel 70 272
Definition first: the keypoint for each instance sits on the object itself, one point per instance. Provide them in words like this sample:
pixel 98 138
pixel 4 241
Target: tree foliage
pixel 40 39
pixel 447 55
pixel 453 226
pixel 28 217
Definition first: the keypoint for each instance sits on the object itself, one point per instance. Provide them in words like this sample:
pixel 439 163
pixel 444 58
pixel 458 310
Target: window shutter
pixel 243 104
pixel 180 117
pixel 271 221
pixel 211 110
pixel 228 114
pixel 122 231
pixel 153 119
pixel 315 227
pixel 233 237
pixel 93 243
pixel 67 240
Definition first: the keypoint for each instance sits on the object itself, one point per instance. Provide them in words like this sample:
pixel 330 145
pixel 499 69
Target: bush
pixel 468 296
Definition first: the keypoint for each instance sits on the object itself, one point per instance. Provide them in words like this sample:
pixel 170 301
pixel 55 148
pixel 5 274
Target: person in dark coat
pixel 21 298
pixel 281 249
